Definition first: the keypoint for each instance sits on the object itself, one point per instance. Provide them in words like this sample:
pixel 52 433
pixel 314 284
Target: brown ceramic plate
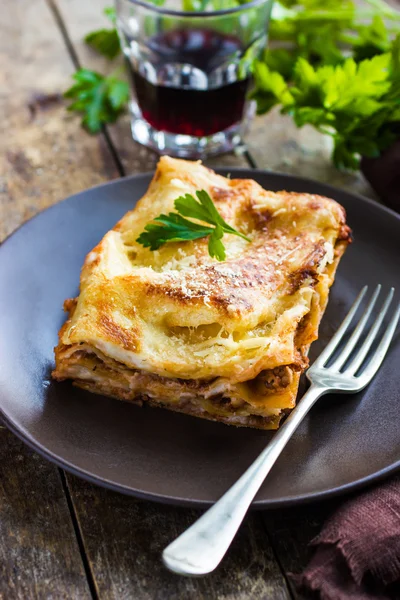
pixel 345 442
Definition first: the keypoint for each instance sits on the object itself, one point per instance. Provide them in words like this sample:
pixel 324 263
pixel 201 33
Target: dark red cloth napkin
pixel 358 550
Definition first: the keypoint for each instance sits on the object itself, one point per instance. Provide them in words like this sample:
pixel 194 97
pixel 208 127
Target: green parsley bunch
pixel 358 104
pixel 336 71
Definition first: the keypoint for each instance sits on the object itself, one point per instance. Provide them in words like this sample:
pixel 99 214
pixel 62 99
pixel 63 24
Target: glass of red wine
pixel 189 67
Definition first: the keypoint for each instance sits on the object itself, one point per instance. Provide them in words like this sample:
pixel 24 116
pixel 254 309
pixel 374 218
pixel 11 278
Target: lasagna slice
pixel 225 341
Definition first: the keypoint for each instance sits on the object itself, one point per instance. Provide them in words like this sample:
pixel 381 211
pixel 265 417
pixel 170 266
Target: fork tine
pixel 381 350
pixel 326 353
pixel 362 353
pixel 355 336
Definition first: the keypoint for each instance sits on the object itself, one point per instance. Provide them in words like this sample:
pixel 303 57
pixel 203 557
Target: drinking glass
pixel 189 69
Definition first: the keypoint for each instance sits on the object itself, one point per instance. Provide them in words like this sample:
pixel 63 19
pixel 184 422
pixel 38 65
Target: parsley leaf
pixel 175 227
pixel 372 39
pixel 105 41
pixel 111 14
pixel 311 29
pixel 99 99
pixel 172 228
pixel 216 249
pixel 203 209
pixel 270 88
pixel 357 103
pixel 326 32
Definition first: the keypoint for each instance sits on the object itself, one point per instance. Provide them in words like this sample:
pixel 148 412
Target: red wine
pixel 190 112
pixel 187 109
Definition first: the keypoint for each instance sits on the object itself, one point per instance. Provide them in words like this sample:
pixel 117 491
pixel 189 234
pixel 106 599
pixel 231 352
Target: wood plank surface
pixel 44 154
pixel 124 539
pixel 80 18
pixel 39 554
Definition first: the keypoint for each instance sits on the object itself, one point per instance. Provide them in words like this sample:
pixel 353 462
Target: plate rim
pixel 186 502
pixel 43 451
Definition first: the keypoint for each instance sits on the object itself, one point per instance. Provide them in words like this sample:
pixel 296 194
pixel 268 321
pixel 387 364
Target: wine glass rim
pixel 203 13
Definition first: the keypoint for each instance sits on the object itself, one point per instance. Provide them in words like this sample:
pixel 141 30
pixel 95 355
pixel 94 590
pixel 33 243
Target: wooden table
pixel 61 537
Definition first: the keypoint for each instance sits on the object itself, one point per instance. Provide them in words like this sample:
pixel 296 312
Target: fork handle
pixel 200 549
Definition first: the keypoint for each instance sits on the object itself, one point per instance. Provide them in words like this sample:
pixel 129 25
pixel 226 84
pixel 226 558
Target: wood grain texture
pixel 82 17
pixel 124 539
pixel 39 554
pixel 44 154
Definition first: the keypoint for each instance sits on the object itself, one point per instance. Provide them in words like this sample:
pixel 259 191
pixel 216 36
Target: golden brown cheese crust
pixel 179 315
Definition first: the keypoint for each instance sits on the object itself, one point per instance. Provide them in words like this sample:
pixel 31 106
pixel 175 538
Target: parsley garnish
pixel 327 31
pixel 99 99
pixel 105 41
pixel 111 14
pixel 174 227
pixel 355 103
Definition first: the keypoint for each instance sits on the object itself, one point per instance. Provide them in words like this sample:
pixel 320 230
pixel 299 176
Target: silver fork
pixel 200 548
